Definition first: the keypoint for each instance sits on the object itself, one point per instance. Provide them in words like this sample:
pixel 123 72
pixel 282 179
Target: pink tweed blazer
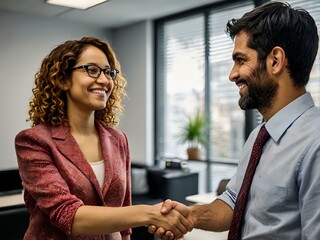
pixel 58 180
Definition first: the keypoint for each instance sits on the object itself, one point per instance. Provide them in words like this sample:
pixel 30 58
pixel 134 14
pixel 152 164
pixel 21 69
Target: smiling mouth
pixel 242 85
pixel 98 91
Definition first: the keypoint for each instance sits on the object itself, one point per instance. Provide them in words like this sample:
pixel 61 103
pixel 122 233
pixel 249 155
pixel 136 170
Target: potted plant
pixel 193 133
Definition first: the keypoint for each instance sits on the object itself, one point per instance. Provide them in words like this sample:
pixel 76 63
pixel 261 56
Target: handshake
pixel 170 220
pixel 174 221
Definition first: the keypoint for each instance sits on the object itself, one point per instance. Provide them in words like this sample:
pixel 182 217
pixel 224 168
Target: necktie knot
pixel 263 136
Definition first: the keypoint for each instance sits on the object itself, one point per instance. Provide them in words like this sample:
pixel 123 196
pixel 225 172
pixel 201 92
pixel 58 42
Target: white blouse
pixel 98 168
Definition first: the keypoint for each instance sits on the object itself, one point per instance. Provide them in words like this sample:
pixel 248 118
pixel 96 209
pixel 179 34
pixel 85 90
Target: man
pixel 274 51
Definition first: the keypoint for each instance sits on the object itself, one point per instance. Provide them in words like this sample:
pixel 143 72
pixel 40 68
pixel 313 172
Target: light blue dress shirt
pixel 284 199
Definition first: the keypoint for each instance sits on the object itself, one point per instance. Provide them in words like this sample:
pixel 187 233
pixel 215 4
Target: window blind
pixel 227 119
pixel 180 78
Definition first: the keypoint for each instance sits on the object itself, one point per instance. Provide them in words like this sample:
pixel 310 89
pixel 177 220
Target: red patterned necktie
pixel 235 228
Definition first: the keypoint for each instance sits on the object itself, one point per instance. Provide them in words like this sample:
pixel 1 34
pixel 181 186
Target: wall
pixel 134 47
pixel 24 42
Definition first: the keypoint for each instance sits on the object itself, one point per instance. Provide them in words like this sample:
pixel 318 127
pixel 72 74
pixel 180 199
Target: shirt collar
pixel 283 119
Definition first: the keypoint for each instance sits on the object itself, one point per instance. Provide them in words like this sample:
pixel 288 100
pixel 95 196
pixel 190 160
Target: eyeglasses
pixel 95 71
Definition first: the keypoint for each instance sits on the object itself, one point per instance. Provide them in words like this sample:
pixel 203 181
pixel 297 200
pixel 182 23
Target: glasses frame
pixel 104 70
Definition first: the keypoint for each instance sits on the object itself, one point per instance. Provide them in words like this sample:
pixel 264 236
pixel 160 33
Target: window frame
pixel 250 115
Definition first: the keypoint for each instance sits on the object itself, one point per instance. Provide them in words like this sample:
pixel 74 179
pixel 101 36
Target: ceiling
pixel 111 14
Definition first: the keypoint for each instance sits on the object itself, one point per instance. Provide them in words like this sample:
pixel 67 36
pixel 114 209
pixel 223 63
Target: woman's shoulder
pixel 41 130
pixel 111 131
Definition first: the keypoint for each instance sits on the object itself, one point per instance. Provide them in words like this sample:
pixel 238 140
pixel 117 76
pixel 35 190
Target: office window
pixel 192 77
pixel 226 118
pixel 193 65
pixel 181 80
pixel 192 74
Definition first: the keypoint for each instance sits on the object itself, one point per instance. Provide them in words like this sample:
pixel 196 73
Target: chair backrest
pixel 222 186
pixel 13 222
pixel 10 181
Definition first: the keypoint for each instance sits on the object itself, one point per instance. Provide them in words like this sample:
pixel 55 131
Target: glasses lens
pixel 93 71
pixel 110 73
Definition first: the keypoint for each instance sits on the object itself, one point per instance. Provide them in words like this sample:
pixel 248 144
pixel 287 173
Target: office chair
pixel 222 186
pixel 13 223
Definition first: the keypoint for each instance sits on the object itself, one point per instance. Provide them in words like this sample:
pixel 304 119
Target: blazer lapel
pixel 107 149
pixel 70 149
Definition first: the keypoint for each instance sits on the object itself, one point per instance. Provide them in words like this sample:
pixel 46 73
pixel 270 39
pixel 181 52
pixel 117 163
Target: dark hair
pixel 278 24
pixel 48 104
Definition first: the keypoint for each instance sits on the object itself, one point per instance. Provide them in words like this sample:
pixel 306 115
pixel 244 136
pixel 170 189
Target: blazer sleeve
pixel 44 186
pixel 127 199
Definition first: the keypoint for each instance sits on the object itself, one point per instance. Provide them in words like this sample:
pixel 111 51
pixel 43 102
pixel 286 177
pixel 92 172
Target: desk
pixel 202 198
pixel 11 200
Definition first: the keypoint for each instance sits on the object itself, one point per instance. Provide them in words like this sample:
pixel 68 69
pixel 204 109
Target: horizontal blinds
pixel 184 34
pixel 227 119
pixel 181 55
pixel 220 45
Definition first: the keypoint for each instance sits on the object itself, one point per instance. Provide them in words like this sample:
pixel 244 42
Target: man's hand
pixel 173 223
pixel 166 208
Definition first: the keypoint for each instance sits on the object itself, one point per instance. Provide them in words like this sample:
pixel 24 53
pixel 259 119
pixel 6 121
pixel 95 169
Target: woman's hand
pixel 172 207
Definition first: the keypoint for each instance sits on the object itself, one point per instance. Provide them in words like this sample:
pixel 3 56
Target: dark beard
pixel 261 91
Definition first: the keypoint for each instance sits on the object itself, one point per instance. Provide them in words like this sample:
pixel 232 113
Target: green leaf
pixel 193 131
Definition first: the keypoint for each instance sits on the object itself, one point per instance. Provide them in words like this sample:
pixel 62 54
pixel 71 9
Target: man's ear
pixel 277 60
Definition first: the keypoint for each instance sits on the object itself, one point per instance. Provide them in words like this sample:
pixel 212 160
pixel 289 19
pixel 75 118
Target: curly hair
pixel 49 104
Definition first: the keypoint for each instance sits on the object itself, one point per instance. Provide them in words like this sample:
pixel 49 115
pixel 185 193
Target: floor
pixel 197 234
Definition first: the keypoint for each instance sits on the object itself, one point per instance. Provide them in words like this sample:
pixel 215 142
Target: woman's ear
pixel 64 86
pixel 277 60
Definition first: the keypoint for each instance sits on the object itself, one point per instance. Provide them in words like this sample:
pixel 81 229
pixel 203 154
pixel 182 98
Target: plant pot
pixel 194 153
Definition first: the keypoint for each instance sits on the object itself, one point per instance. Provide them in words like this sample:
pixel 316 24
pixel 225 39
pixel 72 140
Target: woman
pixel 74 165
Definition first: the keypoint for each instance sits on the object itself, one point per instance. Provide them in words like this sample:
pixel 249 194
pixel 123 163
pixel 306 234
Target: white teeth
pixel 98 91
pixel 240 86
